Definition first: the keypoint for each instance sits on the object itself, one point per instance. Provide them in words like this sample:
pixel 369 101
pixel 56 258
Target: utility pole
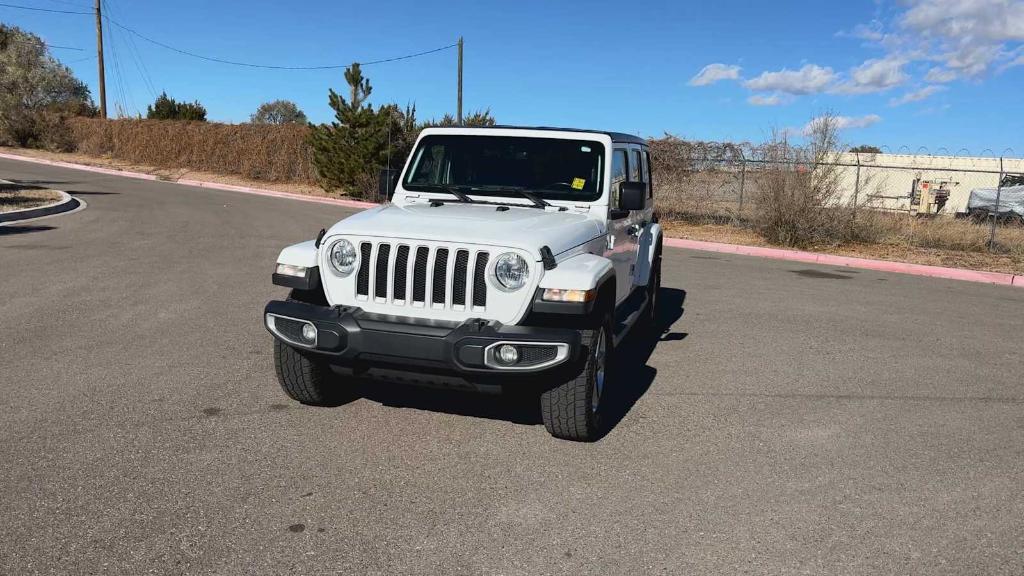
pixel 99 59
pixel 459 114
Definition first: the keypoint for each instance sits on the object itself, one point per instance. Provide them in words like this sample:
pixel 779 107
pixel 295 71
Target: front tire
pixel 303 377
pixel 572 410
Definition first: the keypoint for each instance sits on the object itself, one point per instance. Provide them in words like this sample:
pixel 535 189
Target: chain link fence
pixel 705 183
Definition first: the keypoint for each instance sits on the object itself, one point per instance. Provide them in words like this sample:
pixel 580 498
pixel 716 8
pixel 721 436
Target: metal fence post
pixel 856 187
pixel 743 179
pixel 999 193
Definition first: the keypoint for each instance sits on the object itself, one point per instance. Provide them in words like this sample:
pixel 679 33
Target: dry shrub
pixel 43 129
pixel 274 153
pixel 799 199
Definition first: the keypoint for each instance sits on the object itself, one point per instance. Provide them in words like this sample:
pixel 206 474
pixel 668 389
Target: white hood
pixel 526 228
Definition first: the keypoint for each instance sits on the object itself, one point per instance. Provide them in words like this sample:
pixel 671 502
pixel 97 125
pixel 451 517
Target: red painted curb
pixel 196 183
pixel 866 263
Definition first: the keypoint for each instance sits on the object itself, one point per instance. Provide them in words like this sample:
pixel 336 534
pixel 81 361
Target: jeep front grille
pixel 449 278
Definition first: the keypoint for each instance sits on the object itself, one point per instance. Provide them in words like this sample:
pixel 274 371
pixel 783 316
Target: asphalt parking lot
pixel 792 419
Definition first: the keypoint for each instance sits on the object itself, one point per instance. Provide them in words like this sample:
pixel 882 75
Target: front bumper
pixel 353 338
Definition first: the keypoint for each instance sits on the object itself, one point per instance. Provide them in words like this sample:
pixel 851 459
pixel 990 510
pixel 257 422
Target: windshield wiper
pixel 536 200
pixel 454 191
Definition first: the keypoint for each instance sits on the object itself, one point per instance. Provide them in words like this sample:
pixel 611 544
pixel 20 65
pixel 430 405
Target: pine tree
pixel 348 152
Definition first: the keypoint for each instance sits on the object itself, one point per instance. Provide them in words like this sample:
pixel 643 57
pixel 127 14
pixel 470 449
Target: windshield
pixel 550 168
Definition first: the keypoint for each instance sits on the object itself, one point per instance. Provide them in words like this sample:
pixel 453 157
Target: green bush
pixel 37 93
pixel 278 112
pixel 167 108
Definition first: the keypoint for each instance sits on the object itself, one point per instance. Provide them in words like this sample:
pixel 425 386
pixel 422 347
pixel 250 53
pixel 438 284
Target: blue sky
pixel 939 74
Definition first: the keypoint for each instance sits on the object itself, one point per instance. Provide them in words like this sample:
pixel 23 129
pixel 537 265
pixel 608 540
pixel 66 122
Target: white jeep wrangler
pixel 506 257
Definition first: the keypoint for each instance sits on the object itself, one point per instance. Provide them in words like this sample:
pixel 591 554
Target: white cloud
pixel 715 73
pixel 844 122
pixel 871 32
pixel 875 75
pixel 1018 61
pixel 992 20
pixel 939 76
pixel 810 79
pixel 916 95
pixel 967 36
pixel 766 100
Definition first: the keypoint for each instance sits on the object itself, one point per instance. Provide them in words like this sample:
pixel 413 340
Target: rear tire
pixel 572 410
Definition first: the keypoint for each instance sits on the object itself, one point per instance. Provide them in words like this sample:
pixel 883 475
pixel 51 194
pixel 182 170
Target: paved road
pixel 794 419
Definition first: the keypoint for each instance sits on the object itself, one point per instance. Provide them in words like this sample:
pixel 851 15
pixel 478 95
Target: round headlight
pixel 343 257
pixel 511 271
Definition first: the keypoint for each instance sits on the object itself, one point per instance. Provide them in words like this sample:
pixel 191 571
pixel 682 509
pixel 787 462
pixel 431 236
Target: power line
pixel 123 94
pixel 370 63
pixel 44 9
pixel 79 60
pixel 135 55
pixel 232 62
pixel 269 66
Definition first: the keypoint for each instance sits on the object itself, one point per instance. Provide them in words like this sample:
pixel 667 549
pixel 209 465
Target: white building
pixel 887 180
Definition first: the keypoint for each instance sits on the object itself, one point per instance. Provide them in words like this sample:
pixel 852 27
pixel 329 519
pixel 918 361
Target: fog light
pixel 309 333
pixel 507 354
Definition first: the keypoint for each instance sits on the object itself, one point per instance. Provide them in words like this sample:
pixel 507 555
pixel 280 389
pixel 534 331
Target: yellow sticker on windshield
pixel 577 183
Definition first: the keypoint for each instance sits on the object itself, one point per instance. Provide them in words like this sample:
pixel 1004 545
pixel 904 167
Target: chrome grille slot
pixel 459 278
pixel 440 273
pixel 401 273
pixel 380 276
pixel 419 275
pixel 363 278
pixel 480 280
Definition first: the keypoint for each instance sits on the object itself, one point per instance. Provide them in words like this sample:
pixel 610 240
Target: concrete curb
pixel 67 203
pixel 762 252
pixel 196 183
pixel 866 263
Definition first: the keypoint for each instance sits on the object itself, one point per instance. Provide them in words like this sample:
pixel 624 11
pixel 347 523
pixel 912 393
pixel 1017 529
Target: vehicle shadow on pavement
pixel 632 375
pixel 25 229
pixel 84 193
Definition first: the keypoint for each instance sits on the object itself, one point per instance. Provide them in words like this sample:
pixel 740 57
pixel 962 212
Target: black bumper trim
pixel 349 336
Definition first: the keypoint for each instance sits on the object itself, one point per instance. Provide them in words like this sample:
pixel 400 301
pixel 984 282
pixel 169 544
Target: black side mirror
pixel 632 195
pixel 387 180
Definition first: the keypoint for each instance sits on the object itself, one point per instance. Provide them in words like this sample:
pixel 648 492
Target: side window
pixel 634 168
pixel 620 167
pixel 647 174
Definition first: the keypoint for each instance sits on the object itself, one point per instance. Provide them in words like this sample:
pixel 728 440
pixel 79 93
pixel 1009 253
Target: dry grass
pixel 18 197
pixel 260 152
pixel 900 238
pixel 169 174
